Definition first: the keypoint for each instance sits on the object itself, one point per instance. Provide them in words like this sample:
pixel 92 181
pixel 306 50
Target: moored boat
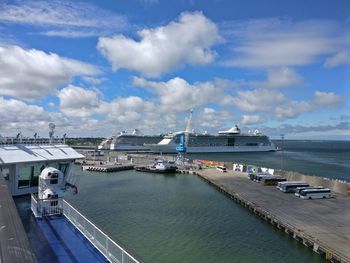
pixel 159 166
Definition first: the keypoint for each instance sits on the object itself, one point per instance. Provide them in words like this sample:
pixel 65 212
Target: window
pixel 63 167
pixel 24 175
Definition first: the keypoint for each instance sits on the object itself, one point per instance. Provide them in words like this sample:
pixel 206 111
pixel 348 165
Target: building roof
pixel 21 153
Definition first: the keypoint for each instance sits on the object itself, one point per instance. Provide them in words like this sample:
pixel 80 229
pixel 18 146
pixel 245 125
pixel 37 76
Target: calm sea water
pixel 322 158
pixel 181 218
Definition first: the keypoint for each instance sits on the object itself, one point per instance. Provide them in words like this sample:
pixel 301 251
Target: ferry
pixel 231 140
pixel 38 224
pixel 135 141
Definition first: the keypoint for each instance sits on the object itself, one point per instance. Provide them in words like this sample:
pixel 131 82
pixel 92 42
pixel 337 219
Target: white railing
pixel 110 249
pixel 46 207
pixel 30 141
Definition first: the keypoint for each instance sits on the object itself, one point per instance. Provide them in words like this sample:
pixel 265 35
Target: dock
pixel 107 168
pixel 323 225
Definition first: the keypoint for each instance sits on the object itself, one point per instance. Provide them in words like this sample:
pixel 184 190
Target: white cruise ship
pixel 135 141
pixel 231 140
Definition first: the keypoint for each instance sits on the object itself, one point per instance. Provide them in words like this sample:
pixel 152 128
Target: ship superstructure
pixel 134 141
pixel 231 140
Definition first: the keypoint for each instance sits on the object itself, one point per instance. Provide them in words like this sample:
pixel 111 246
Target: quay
pixel 322 225
pixel 107 168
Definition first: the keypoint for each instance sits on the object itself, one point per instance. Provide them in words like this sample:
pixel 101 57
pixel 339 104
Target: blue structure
pixel 181 148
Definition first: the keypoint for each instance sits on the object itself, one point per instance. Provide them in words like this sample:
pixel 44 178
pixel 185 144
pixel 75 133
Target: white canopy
pixel 20 153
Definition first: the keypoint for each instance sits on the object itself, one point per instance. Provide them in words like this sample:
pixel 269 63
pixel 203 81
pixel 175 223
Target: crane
pixel 182 147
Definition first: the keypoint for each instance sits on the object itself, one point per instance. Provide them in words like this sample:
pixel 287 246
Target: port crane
pixel 182 147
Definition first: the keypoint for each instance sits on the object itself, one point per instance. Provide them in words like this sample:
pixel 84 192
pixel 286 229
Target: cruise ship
pixel 231 140
pixel 135 141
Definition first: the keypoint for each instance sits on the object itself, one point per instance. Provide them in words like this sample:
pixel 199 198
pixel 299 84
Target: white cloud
pixel 321 100
pixel 162 49
pixel 178 95
pixel 282 77
pixel 19 116
pixel 213 119
pixel 31 73
pixel 251 119
pixel 62 18
pixel 327 99
pixel 78 102
pixel 339 58
pixel 273 42
pixel 257 100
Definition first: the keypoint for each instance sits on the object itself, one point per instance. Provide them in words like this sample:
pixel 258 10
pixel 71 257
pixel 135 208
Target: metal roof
pixel 20 153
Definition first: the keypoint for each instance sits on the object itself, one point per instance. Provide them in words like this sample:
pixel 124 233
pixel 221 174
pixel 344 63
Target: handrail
pixel 125 256
pixel 29 141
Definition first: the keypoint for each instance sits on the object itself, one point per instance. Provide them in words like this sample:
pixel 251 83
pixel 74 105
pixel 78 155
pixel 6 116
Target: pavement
pixel 326 220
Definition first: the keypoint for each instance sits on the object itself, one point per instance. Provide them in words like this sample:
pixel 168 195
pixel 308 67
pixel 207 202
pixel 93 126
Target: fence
pixel 111 250
pixel 46 207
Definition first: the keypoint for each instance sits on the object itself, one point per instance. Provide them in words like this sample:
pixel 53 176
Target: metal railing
pixel 46 207
pixel 30 141
pixel 110 249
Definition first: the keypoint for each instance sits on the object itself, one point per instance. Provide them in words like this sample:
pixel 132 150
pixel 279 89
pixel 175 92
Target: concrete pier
pixel 107 168
pixel 323 224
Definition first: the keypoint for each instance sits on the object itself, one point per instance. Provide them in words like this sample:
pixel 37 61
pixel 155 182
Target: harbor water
pixel 329 159
pixel 181 218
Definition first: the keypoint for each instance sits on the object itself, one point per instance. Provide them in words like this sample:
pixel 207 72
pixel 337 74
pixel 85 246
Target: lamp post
pixel 282 156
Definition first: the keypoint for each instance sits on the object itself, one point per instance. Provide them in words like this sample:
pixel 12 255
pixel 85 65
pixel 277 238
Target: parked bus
pixel 299 189
pixel 221 168
pixel 316 193
pixel 272 180
pixel 290 186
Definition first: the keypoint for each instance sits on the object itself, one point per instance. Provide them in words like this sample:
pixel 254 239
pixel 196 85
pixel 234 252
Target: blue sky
pixel 99 67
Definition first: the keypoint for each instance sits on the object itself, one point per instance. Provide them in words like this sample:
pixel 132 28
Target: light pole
pixel 282 156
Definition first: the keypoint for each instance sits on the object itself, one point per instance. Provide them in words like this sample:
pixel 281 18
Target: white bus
pixel 316 193
pixel 290 186
pixel 221 168
pixel 299 189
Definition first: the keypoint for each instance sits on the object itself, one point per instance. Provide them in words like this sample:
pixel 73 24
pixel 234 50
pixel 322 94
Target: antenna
pixel 19 136
pixel 51 131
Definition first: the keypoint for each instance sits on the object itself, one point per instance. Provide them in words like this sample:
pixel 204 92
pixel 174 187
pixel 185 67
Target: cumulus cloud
pixel 31 73
pixel 213 119
pixel 257 100
pixel 294 108
pixel 282 77
pixel 338 59
pixel 251 119
pixel 179 95
pixel 78 102
pixel 19 116
pixel 165 48
pixel 62 18
pixel 274 42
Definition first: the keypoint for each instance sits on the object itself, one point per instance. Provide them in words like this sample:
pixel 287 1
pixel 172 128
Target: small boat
pixel 159 166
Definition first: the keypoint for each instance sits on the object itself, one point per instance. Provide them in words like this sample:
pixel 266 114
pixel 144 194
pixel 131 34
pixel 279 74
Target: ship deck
pixel 55 239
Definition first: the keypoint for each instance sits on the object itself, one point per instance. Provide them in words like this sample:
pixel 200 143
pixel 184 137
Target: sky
pixel 96 68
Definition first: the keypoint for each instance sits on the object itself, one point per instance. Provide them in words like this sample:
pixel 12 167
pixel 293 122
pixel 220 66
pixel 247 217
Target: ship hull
pixel 212 149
